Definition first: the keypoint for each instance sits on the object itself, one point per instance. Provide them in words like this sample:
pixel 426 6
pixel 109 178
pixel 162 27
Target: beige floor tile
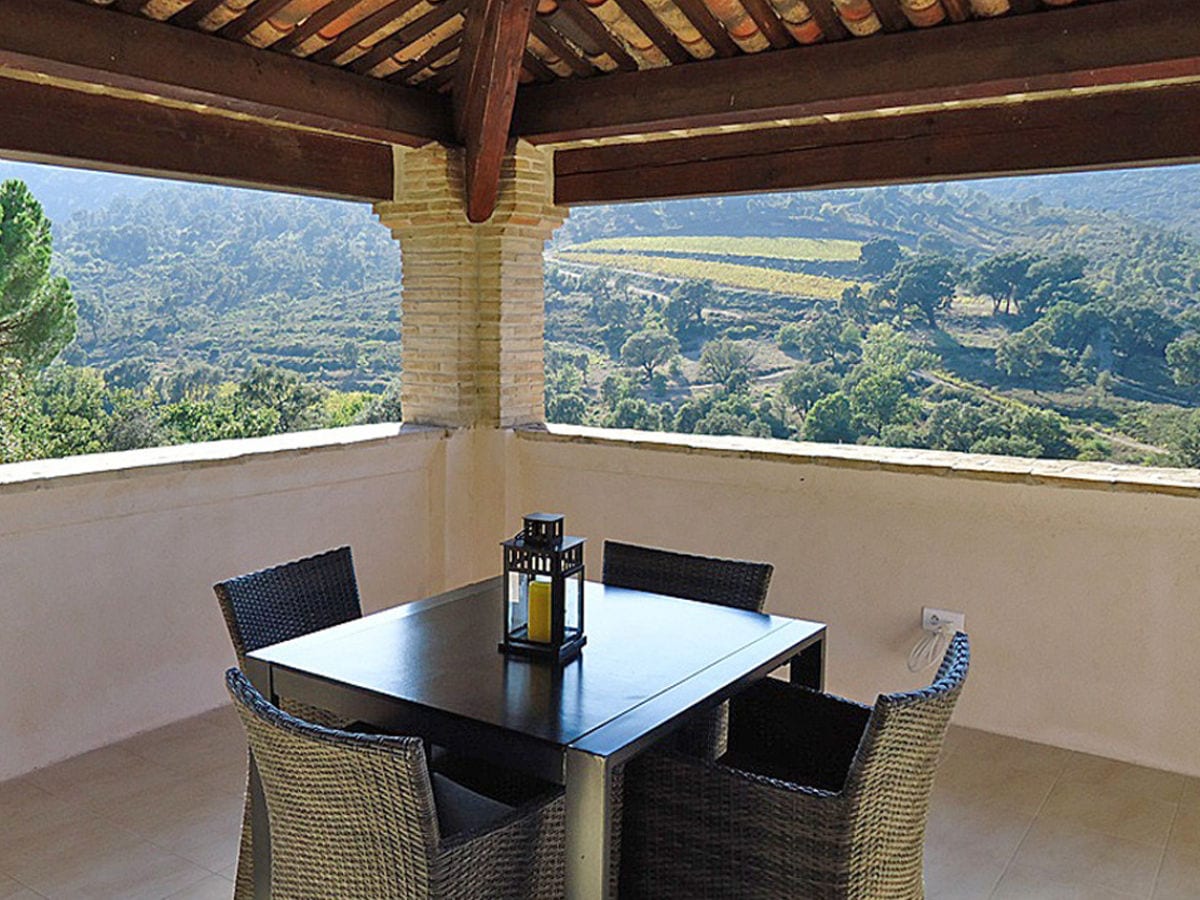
pixel 25 807
pixel 212 888
pixel 197 752
pixel 1179 877
pixel 960 874
pixel 993 829
pixel 14 890
pixel 1082 768
pixel 986 749
pixel 1186 828
pixel 962 780
pixel 1191 790
pixel 1024 883
pixel 1076 855
pixel 1134 817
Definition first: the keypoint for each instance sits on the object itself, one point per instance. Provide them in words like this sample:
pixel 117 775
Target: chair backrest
pixel 891 777
pixel 725 582
pixel 351 815
pixel 289 600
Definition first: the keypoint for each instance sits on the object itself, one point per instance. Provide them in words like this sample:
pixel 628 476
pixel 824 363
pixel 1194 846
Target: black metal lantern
pixel 543 591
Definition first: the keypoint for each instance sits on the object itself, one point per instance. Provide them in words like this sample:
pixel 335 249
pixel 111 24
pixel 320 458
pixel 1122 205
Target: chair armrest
pixel 793 734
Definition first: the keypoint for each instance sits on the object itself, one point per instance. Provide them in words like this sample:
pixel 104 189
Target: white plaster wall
pixel 108 624
pixel 1083 605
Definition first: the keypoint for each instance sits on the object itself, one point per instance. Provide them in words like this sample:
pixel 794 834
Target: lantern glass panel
pixel 518 601
pixel 573 596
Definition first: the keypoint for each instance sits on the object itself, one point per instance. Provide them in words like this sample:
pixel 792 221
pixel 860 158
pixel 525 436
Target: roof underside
pixel 417 42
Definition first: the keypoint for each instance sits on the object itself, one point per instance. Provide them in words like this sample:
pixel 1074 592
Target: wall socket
pixel 933 619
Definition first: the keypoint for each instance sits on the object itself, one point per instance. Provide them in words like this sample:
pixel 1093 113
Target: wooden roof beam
pixel 1119 128
pixel 485 88
pixel 41 123
pixel 81 44
pixel 1094 45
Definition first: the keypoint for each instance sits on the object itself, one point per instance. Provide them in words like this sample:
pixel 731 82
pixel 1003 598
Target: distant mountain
pixel 64 192
pixel 1168 197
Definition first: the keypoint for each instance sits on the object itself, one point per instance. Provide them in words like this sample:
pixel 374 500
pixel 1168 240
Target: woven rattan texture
pixel 726 582
pixel 696 829
pixel 277 604
pixel 353 817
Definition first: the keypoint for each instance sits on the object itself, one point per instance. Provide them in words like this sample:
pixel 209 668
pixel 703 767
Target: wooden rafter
pixel 768 22
pixel 81 44
pixel 435 18
pixel 661 36
pixel 1089 46
pixel 542 30
pixel 433 55
pixel 891 16
pixel 195 12
pixel 363 28
pixel 537 69
pixel 1102 130
pixel 957 10
pixel 151 139
pixel 129 6
pixel 832 26
pixel 706 23
pixel 604 39
pixel 314 23
pixel 485 88
pixel 238 28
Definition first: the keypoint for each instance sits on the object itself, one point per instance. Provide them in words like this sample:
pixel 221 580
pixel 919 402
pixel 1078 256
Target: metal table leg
pixel 808 667
pixel 589 826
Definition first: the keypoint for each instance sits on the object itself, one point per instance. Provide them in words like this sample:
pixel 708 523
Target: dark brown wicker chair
pixel 817 798
pixel 360 817
pixel 277 604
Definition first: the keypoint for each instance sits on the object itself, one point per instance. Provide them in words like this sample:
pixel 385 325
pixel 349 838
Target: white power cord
pixel 930 648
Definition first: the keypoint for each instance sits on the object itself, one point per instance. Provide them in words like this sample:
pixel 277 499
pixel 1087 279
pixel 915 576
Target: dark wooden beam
pixel 832 26
pixel 194 13
pixel 434 54
pixel 891 16
pixel 536 68
pixel 363 28
pixel 769 23
pixel 40 123
pixel 1102 130
pixel 485 88
pixel 78 43
pixel 660 35
pixel 1095 45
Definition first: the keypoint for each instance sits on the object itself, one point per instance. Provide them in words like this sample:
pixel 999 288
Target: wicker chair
pixel 360 817
pixel 725 582
pixel 277 604
pixel 817 798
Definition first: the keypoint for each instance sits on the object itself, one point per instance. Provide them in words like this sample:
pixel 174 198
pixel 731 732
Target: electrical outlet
pixel 933 619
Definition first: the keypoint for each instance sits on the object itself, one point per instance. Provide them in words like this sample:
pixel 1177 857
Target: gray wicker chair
pixel 360 817
pixel 725 582
pixel 277 604
pixel 817 798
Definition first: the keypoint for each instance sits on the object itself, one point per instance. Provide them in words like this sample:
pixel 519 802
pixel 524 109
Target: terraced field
pixel 812 249
pixel 748 277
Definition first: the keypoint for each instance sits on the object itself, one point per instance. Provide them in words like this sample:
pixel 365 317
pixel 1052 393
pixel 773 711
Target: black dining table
pixel 432 668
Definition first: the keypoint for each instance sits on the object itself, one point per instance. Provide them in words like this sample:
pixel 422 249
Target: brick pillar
pixel 473 309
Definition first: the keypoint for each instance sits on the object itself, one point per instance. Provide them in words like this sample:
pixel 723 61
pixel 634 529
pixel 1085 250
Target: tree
pixel 1183 356
pixel 1022 355
pixel 925 283
pixel 831 421
pixel 635 413
pixel 881 399
pixel 728 363
pixel 1004 278
pixel 805 385
pixel 878 256
pixel 37 311
pixel 684 309
pixel 648 349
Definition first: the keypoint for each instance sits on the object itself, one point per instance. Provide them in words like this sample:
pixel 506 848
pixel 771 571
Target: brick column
pixel 473 309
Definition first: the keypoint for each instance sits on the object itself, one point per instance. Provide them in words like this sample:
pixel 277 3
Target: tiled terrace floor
pixel 157 816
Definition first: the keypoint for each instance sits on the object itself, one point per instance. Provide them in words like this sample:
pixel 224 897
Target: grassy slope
pixel 817 249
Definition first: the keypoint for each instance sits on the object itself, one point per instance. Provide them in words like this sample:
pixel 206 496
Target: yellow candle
pixel 539 611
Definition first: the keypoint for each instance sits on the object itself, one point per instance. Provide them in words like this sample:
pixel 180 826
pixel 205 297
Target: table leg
pixel 589 826
pixel 808 667
pixel 260 827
